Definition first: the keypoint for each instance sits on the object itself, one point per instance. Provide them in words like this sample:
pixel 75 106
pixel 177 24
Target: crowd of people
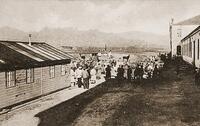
pixel 83 75
pixel 89 71
pixel 145 69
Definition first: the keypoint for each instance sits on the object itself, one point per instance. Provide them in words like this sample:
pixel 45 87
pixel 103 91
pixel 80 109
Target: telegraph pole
pixel 170 35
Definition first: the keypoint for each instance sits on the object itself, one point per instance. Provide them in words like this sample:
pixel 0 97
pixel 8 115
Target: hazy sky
pixel 104 15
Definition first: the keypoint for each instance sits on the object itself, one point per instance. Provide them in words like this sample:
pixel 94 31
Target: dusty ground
pixel 169 101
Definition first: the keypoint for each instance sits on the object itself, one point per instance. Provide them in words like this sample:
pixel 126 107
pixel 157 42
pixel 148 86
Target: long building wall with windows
pixel 54 78
pixel 29 71
pixel 18 89
pixel 191 47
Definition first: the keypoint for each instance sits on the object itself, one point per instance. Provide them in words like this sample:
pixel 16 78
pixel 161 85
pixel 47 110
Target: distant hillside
pixel 151 40
pixel 74 37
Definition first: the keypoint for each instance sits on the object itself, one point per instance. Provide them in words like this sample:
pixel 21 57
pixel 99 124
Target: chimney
pixel 29 39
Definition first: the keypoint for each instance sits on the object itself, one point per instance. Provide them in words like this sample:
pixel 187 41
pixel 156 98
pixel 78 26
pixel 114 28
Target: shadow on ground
pixel 169 100
pixel 66 112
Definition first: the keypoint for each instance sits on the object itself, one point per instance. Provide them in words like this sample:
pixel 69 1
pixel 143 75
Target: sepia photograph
pixel 99 63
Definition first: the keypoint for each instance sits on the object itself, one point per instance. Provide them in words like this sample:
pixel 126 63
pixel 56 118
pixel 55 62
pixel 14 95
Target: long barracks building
pixel 29 70
pixel 190 47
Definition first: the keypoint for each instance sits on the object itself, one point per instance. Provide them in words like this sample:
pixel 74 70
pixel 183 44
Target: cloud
pixel 105 15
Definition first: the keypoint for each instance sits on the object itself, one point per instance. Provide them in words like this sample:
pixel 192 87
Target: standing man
pixel 79 73
pixel 108 72
pixel 98 55
pixel 141 72
pixel 125 71
pixel 155 72
pixel 85 78
pixel 109 54
pixel 129 73
pixel 120 74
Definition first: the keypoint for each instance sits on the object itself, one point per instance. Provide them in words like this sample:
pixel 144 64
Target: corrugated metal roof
pixel 14 59
pixel 48 52
pixel 52 54
pixel 29 51
pixel 37 50
pixel 22 51
pixel 57 53
pixel 61 52
pixel 18 55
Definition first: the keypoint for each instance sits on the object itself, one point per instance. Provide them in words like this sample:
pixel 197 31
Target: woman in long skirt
pixel 99 71
pixel 125 71
pixel 93 75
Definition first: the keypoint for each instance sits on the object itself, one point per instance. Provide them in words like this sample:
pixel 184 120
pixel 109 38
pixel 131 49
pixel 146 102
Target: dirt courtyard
pixel 169 101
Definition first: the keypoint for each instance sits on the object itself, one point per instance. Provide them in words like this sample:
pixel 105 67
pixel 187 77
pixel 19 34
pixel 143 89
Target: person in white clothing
pixel 79 74
pixel 93 75
pixel 73 76
pixel 113 71
pixel 109 54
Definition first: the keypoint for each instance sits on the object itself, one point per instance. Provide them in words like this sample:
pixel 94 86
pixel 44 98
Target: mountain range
pixel 74 37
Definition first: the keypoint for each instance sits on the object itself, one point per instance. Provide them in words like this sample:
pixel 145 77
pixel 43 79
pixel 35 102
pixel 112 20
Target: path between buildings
pixel 169 101
pixel 23 115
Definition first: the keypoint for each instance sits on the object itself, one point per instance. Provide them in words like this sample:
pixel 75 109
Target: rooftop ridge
pixel 19 41
pixel 191 33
